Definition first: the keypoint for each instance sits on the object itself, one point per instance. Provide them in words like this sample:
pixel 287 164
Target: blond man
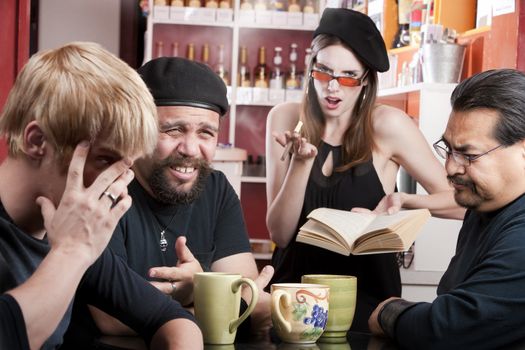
pixel 75 120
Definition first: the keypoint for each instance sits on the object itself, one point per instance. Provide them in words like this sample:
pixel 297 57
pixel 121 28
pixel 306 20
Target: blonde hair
pixel 358 141
pixel 80 92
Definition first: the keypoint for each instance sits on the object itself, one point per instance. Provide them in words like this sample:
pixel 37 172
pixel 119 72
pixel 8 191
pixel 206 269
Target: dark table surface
pixel 353 341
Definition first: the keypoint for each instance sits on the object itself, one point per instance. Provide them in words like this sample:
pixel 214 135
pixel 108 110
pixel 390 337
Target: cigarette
pixel 289 145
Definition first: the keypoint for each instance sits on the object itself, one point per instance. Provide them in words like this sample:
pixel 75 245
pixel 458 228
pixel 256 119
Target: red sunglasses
pixel 342 80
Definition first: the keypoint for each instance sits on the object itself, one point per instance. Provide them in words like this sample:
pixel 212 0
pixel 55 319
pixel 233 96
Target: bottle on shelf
pixel 357 5
pixel 244 76
pixel 159 49
pixel 292 80
pixel 246 5
pixel 260 73
pixel 225 4
pixel 193 3
pixel 205 55
pixel 416 18
pixel 177 3
pixel 175 49
pixel 276 77
pixel 277 5
pixel 402 37
pixel 293 6
pixel 307 57
pixel 190 52
pixel 309 7
pixel 212 4
pixel 220 68
pixel 260 5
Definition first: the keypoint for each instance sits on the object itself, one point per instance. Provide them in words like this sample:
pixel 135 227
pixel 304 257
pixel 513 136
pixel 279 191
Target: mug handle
pixel 234 324
pixel 276 299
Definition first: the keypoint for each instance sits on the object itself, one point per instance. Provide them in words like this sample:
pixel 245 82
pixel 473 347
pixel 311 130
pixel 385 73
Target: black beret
pixel 357 31
pixel 175 81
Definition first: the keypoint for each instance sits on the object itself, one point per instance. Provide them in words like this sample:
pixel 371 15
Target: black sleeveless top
pixel 377 274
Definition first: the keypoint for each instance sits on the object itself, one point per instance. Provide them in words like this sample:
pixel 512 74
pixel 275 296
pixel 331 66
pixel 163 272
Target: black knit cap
pixel 357 31
pixel 175 81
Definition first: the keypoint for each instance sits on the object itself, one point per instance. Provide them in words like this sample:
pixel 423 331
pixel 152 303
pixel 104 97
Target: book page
pixel 314 227
pixel 319 241
pixel 392 233
pixel 393 221
pixel 346 224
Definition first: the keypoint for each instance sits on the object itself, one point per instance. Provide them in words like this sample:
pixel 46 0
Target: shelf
pixel 253 179
pixel 415 88
pixel 274 27
pixel 264 104
pixel 231 24
pixel 193 23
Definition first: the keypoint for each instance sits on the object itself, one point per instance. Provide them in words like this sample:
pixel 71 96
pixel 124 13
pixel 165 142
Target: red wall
pixel 14 46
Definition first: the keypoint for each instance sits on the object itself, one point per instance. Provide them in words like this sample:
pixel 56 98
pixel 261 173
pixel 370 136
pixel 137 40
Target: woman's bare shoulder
pixel 387 120
pixel 284 116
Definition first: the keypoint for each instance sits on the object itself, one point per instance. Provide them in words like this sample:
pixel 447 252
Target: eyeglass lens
pixel 326 77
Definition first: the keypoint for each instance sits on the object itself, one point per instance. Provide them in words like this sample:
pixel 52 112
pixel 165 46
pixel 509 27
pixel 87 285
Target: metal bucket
pixel 442 63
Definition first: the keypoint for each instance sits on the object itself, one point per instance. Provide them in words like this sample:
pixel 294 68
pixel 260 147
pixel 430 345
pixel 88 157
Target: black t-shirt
pixel 12 324
pixel 213 225
pixel 108 284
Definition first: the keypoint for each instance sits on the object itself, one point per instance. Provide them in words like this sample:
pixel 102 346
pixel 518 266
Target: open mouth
pixel 332 102
pixel 184 170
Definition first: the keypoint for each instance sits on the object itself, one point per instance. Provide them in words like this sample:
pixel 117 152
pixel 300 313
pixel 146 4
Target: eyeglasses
pixel 342 80
pixel 461 159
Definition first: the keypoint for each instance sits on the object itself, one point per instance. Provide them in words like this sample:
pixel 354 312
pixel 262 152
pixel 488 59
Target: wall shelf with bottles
pixel 176 27
pixel 193 23
pixel 196 22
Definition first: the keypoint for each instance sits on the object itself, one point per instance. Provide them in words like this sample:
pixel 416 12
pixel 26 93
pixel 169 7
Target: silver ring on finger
pixel 112 197
pixel 173 287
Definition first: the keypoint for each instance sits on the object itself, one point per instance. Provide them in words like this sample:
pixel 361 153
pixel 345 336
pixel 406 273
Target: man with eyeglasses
pixel 481 296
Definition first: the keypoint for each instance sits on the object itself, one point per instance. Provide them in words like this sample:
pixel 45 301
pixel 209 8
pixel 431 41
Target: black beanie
pixel 357 31
pixel 175 81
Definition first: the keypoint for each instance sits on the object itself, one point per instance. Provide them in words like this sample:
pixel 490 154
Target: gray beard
pixel 166 193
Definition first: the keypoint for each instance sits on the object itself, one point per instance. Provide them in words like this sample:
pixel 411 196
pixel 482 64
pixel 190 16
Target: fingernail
pixel 84 143
pixel 128 161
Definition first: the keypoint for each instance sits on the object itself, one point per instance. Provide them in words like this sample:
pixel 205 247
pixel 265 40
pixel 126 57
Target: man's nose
pixel 452 167
pixel 188 146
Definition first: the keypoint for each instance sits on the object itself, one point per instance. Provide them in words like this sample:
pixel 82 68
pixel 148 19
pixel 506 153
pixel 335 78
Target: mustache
pixel 187 162
pixel 459 181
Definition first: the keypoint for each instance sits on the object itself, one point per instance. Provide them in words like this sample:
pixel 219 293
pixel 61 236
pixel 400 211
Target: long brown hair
pixel 358 141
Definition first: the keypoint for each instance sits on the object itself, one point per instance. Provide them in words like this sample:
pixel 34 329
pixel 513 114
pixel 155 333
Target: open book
pixel 346 232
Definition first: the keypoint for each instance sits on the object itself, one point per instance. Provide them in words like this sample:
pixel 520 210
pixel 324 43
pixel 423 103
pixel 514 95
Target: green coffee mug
pixel 217 298
pixel 343 290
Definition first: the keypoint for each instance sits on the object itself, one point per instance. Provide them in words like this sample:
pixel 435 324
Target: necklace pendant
pixel 163 242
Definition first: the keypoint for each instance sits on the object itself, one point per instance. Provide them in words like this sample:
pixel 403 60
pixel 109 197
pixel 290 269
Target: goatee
pixel 168 194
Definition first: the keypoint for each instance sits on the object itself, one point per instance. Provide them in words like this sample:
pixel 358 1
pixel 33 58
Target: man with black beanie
pixel 185 216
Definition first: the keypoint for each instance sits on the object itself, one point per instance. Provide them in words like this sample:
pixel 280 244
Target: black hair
pixel 500 90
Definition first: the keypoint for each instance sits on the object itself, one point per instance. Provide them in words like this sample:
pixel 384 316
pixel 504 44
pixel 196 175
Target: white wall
pixel 63 21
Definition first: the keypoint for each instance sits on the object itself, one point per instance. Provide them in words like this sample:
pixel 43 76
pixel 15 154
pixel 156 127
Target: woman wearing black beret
pixel 346 156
